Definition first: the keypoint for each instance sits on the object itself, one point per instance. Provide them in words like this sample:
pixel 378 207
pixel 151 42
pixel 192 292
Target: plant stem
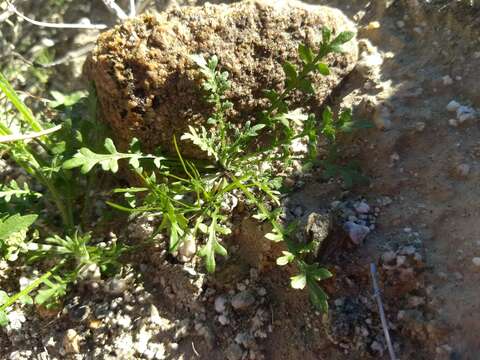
pixel 36 283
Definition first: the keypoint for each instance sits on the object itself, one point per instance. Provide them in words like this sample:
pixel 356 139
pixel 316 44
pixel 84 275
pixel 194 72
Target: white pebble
pixel 222 319
pixel 476 261
pixel 463 170
pixel 220 304
pixel 453 122
pixel 362 207
pixel 453 106
pixel 357 233
pixel 465 113
pixel 447 80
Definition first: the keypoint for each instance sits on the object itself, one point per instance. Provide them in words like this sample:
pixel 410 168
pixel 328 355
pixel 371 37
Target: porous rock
pixel 149 88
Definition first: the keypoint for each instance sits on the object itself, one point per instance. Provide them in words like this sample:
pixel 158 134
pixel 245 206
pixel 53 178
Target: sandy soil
pixel 423 174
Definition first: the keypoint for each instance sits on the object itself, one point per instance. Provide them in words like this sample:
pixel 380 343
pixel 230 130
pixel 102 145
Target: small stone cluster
pixel 357 217
pixel 463 113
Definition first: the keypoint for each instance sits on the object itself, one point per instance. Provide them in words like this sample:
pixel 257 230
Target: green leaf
pixel 203 139
pixel 110 146
pixel 318 297
pixel 298 281
pixel 50 295
pixel 297 115
pixel 320 274
pixel 271 95
pixel 87 159
pixel 13 97
pixel 14 190
pixel 26 299
pixel 328 127
pixel 323 69
pixel 287 258
pixel 305 53
pixel 3 318
pixel 290 71
pixel 275 237
pixel 306 86
pixel 342 38
pixel 213 62
pixel 3 297
pixel 212 247
pixel 66 100
pixel 14 224
pixel 326 35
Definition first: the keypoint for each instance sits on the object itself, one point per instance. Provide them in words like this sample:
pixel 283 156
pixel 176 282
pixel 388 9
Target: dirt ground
pixel 423 170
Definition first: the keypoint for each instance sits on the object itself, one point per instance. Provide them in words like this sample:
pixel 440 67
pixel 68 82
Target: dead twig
pixel 70 56
pixel 117 10
pixel 13 9
pixel 133 9
pixel 195 350
pixel 383 319
pixel 28 136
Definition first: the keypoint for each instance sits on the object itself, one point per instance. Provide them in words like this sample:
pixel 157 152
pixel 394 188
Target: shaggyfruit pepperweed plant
pixel 188 196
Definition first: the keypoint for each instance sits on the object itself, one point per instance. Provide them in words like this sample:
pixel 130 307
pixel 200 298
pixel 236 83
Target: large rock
pixel 149 88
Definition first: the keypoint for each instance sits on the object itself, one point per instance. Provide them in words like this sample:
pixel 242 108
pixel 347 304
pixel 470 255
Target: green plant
pixel 190 196
pixel 41 153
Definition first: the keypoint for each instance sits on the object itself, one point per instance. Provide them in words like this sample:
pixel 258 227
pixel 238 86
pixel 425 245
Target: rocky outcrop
pixel 148 87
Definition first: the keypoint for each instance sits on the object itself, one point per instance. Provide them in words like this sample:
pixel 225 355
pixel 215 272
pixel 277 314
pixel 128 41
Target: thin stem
pixel 12 8
pixel 36 283
pixel 63 206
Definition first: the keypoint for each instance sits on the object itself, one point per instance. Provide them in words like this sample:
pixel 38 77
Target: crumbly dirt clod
pixel 149 88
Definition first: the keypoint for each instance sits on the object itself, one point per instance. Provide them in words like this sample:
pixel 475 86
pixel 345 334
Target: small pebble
pixel 242 300
pixel 241 287
pixel 476 261
pixel 222 319
pixel 234 352
pixel 453 106
pixel 420 126
pixel 79 313
pixel 416 301
pixel 298 211
pixel 447 80
pixel 356 232
pixel 362 207
pixel 70 342
pixel 462 170
pixel 377 347
pixel 388 256
pixel 465 113
pixel 262 291
pixel 453 122
pixel 401 260
pixel 116 286
pixel 220 304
